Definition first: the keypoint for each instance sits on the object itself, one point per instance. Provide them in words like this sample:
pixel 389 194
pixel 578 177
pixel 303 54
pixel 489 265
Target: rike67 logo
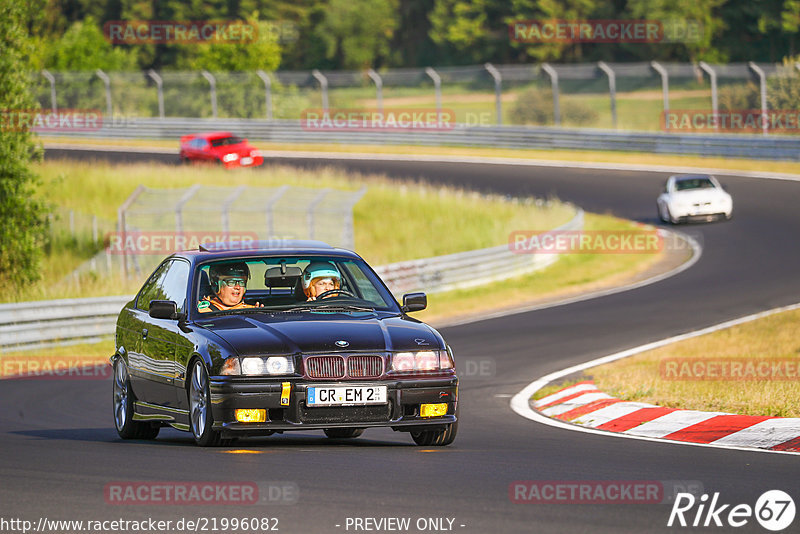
pixel 774 510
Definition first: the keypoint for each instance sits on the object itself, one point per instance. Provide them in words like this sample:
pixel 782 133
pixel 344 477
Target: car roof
pixel 680 177
pixel 273 247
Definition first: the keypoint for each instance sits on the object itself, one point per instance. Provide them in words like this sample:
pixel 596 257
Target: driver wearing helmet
pixel 319 277
pixel 229 282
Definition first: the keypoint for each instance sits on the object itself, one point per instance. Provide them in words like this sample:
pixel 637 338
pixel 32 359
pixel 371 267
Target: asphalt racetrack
pixel 60 451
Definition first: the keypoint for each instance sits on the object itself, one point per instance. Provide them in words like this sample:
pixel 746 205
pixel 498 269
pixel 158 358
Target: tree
pixel 263 53
pixel 357 33
pixel 23 217
pixel 84 47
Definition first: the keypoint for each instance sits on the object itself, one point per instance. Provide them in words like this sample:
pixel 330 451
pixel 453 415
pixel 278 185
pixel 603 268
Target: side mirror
pixel 163 309
pixel 414 302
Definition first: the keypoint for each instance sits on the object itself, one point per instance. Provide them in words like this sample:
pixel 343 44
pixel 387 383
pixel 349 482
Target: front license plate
pixel 345 395
pixel 247 161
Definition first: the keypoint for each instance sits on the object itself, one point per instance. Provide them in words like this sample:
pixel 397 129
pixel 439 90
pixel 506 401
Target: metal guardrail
pixel 62 322
pixel 772 147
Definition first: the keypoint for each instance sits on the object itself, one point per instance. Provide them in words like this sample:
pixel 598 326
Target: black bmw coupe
pixel 231 340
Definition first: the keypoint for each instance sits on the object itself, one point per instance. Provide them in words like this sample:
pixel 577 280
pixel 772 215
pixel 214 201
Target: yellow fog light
pixel 251 415
pixel 433 410
pixel 286 391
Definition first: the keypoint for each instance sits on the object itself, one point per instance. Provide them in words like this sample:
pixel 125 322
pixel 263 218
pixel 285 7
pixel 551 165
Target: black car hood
pixel 284 333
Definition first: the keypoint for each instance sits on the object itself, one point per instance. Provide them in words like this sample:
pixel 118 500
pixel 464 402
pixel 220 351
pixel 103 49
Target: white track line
pixel 520 402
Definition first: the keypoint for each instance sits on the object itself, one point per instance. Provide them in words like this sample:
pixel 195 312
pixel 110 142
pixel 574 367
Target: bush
pixel 739 97
pixel 535 106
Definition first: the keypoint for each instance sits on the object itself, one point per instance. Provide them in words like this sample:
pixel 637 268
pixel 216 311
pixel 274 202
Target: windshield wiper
pixel 329 307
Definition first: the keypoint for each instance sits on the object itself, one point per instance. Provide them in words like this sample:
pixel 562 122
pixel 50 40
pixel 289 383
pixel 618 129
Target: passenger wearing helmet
pixel 229 282
pixel 319 277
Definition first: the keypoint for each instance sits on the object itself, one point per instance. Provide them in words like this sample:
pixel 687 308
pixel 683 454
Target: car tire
pixel 201 421
pixel 343 433
pixel 437 438
pixel 123 401
pixel 661 215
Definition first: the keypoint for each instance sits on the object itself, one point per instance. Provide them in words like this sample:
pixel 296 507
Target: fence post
pixel 378 88
pixel 310 213
pixel 122 225
pixel 160 87
pixel 554 83
pixel 349 237
pixel 437 84
pixel 612 89
pixel 664 88
pixel 323 85
pixel 179 208
pixel 267 92
pixel 107 82
pixel 712 74
pixel 271 208
pixel 212 83
pixel 50 78
pixel 498 91
pixel 763 85
pixel 226 206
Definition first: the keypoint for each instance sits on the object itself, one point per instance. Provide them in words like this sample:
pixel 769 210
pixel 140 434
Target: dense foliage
pixel 23 218
pixel 354 34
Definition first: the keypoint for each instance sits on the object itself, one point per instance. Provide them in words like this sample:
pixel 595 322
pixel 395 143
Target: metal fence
pixel 725 145
pixel 34 324
pixel 152 223
pixel 629 96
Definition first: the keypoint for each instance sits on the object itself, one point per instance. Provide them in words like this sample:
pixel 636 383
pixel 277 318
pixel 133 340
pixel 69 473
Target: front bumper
pixel 401 412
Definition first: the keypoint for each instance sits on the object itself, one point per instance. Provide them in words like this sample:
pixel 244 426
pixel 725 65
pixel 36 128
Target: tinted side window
pixel 150 291
pixel 173 285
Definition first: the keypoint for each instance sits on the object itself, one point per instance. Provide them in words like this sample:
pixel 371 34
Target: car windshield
pixel 693 183
pixel 290 283
pixel 224 141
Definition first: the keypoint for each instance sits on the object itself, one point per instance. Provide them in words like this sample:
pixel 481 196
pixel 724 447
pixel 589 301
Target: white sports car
pixel 693 196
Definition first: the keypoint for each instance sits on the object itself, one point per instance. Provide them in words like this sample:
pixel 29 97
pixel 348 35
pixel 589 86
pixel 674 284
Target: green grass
pixel 643 377
pixel 392 222
pixel 569 275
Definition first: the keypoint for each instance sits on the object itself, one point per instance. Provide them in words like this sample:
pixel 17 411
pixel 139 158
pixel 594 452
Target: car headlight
pixel 424 360
pixel 259 365
pixel 227 158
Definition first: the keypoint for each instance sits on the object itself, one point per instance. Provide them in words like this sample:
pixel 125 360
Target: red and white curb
pixel 589 410
pixel 583 404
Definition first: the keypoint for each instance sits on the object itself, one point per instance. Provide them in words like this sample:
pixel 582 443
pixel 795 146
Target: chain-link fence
pixel 625 96
pixel 153 223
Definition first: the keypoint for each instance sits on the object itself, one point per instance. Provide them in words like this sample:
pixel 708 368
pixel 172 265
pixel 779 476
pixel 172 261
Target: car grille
pixel 333 366
pixel 364 366
pixel 325 367
pixel 347 414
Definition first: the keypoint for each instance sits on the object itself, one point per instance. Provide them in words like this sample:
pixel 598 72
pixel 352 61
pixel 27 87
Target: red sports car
pixel 219 147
